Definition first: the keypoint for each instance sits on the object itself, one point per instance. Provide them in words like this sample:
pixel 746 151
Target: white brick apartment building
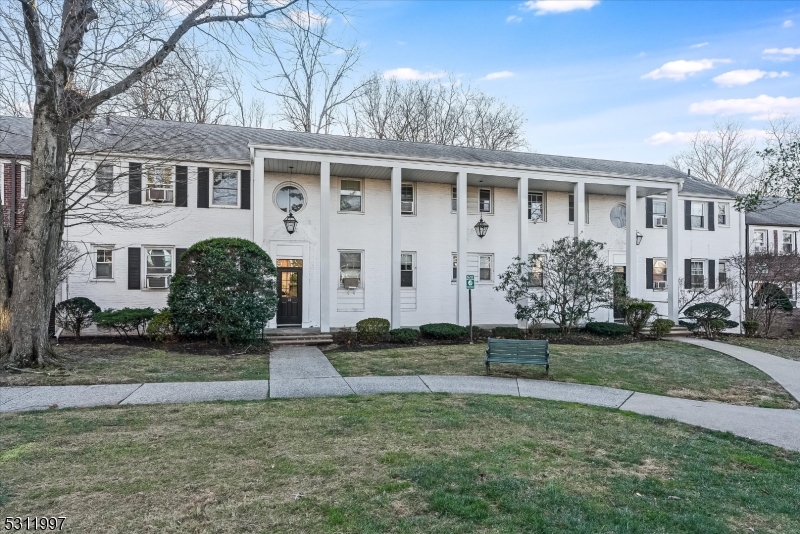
pixel 384 228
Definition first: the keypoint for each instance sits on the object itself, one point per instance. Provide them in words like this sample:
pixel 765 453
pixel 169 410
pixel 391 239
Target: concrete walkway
pixel 784 371
pixel 305 372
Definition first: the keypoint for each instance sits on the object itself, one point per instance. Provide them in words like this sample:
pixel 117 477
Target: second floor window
pixel 225 191
pixel 698 212
pixel 659 213
pixel 485 200
pixel 788 242
pixel 760 241
pixel 407 199
pixel 722 214
pixel 350 195
pixel 104 179
pixel 159 185
pixel 536 207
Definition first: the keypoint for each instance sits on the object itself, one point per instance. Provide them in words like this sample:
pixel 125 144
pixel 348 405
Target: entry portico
pixel 505 180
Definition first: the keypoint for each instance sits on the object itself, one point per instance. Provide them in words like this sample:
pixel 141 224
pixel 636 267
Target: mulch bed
pixel 206 347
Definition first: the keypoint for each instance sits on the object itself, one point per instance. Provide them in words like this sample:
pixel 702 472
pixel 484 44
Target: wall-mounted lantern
pixel 290 222
pixel 638 238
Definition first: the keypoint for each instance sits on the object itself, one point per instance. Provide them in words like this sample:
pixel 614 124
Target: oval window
pixel 290 196
pixel 619 216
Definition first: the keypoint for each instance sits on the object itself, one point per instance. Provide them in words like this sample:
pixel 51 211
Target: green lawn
pixel 120 364
pixel 416 463
pixel 785 348
pixel 662 368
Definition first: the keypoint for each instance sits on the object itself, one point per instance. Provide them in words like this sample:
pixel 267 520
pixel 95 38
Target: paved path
pixel 782 370
pixel 305 372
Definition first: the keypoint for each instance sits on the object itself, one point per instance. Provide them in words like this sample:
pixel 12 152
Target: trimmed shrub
pixel 372 330
pixel 447 331
pixel 661 327
pixel 75 314
pixel 224 287
pixel 404 335
pixel 708 317
pixel 344 336
pixel 508 332
pixel 126 321
pixel 160 328
pixel 608 329
pixel 750 328
pixel 479 334
pixel 637 313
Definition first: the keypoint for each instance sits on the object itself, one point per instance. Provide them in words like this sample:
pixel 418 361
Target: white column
pixel 461 250
pixel 257 177
pixel 579 205
pixel 631 270
pixel 522 229
pixel 396 251
pixel 325 246
pixel 673 291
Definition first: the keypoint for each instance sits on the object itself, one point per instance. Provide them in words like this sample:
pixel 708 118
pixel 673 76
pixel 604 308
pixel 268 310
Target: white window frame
pixel 722 268
pixel 362 195
pixel 413 186
pixel 666 278
pixel 24 174
pixel 702 263
pixel 150 172
pixel 147 249
pixel 454 267
pixel 97 191
pixel 413 256
pixel 793 244
pixel 340 284
pixel 727 222
pixel 490 211
pixel 659 215
pixel 541 257
pixel 543 217
pixel 704 215
pixel 238 189
pixel 491 268
pixel 764 248
pixel 95 250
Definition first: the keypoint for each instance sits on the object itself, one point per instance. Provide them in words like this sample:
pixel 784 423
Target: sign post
pixel 470 287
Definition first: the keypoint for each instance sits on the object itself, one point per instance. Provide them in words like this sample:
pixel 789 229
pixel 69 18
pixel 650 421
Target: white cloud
pixel 679 70
pixel 513 18
pixel 406 73
pixel 499 75
pixel 543 7
pixel 781 54
pixel 745 76
pixel 699 45
pixel 679 138
pixel 788 23
pixel 760 107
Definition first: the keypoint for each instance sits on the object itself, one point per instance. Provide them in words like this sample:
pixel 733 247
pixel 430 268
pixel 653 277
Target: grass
pixel 121 364
pixel 662 368
pixel 785 348
pixel 433 463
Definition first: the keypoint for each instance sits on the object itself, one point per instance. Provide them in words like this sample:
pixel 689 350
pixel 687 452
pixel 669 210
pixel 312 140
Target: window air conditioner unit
pixel 350 283
pixel 158 282
pixel 407 206
pixel 659 285
pixel 661 221
pixel 158 194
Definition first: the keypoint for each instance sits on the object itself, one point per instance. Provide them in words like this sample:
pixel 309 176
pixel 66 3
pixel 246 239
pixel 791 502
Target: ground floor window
pixel 723 271
pixel 158 267
pixel 350 270
pixel 536 276
pixel 103 264
pixel 698 272
pixel 485 267
pixel 659 274
pixel 407 269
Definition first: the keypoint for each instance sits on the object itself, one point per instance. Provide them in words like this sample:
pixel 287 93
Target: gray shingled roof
pixel 213 142
pixel 776 212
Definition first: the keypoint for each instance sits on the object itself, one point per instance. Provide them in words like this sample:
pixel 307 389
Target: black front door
pixel 290 296
pixel 619 290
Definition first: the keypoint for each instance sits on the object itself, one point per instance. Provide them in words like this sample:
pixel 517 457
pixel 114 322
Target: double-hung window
pixel 454 200
pixel 698 215
pixel 698 274
pixel 26 180
pixel 659 214
pixel 103 265
pixel 158 267
pixel 350 270
pixel 485 267
pixel 407 269
pixel 536 276
pixel 788 242
pixel 723 272
pixel 407 204
pixel 760 241
pixel 160 185
pixel 572 208
pixel 536 207
pixel 225 188
pixel 485 201
pixel 350 195
pixel 722 214
pixel 659 274
pixel 455 267
pixel 104 179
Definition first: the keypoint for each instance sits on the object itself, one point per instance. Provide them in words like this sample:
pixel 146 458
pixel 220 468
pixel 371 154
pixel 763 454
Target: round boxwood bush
pixel 372 330
pixel 608 329
pixel 448 331
pixel 661 327
pixel 223 287
pixel 76 313
pixel 160 328
pixel 404 335
pixel 508 332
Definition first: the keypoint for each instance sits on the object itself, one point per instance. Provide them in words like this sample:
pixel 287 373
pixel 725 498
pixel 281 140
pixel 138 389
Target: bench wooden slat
pixel 520 351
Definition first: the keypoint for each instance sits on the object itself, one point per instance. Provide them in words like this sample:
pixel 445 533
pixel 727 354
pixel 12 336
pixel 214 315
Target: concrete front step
pixel 288 340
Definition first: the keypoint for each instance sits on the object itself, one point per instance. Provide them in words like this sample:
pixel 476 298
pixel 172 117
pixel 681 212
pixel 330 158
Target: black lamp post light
pixel 481 227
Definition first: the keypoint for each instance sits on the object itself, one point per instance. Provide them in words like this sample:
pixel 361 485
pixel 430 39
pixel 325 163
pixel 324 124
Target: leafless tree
pixel 75 51
pixel 251 113
pixel 441 111
pixel 313 79
pixel 724 294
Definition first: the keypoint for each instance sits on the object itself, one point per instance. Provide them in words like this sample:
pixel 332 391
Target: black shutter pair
pixel 135 186
pixel 203 187
pixel 687 214
pixel 135 265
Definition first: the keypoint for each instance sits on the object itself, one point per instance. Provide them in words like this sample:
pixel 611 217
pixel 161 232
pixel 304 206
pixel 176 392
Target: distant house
pixel 383 228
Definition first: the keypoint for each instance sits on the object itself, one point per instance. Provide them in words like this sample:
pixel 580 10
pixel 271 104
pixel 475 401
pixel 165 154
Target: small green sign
pixel 470 281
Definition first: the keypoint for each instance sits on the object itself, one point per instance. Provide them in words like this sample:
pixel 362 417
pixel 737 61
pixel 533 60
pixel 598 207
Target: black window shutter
pixel 245 190
pixel 178 253
pixel 202 187
pixel 687 274
pixel 134 268
pixel 572 208
pixel 648 212
pixel 648 269
pixel 687 213
pixel 181 186
pixel 711 216
pixel 712 274
pixel 134 183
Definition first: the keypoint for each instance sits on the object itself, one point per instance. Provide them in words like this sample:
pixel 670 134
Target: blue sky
pixel 603 79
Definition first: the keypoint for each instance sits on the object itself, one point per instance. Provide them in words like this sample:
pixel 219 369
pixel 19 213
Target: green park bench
pixel 534 351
